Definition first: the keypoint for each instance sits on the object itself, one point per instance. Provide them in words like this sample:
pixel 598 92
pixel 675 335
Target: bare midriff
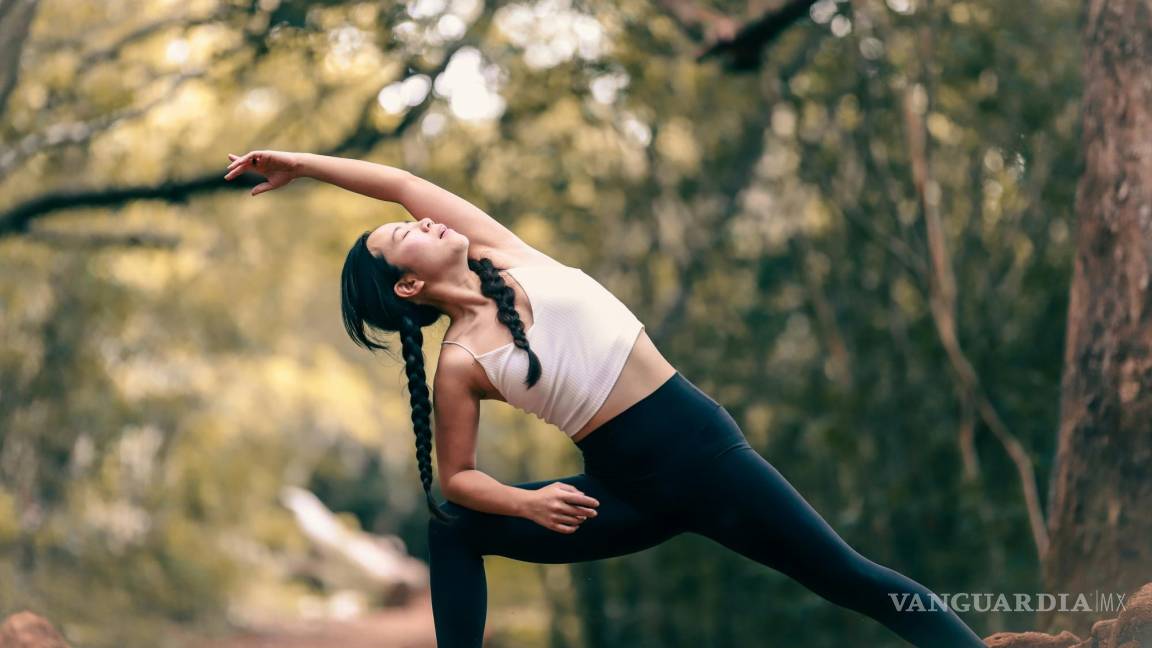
pixel 644 371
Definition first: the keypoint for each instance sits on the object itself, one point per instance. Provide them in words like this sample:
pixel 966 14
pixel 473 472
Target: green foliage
pixel 765 227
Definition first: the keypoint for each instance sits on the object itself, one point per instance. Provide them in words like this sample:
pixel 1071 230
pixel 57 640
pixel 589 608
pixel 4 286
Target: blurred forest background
pixel 856 234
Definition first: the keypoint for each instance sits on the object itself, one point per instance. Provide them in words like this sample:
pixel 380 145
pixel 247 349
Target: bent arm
pixel 456 405
pixel 480 491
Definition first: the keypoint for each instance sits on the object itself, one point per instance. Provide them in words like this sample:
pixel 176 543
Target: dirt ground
pixel 406 627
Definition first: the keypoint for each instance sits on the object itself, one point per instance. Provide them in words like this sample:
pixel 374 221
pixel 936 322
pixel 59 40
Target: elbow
pixel 403 186
pixel 449 488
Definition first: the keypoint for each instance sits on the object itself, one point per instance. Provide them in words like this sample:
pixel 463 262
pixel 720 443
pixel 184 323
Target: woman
pixel 661 457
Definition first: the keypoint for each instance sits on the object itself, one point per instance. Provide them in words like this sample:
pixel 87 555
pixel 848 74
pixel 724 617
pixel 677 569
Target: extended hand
pixel 278 168
pixel 561 507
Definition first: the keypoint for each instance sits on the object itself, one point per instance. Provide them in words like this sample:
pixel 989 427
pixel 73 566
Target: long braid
pixel 412 341
pixel 369 301
pixel 493 286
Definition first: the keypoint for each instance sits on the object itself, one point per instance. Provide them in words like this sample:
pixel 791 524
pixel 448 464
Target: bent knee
pixel 455 528
pixel 454 510
pixel 872 586
pixel 848 578
pixel 861 572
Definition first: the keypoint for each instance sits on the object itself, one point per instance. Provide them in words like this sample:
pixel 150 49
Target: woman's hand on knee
pixel 560 507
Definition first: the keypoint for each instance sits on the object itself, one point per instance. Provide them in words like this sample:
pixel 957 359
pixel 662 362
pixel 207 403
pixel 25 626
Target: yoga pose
pixel 661 457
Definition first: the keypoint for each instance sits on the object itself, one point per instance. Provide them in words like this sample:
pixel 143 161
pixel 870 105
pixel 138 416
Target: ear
pixel 408 286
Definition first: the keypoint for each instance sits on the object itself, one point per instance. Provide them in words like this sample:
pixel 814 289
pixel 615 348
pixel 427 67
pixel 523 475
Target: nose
pixel 426 224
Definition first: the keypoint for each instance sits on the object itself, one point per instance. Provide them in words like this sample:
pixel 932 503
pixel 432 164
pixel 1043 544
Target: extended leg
pixel 459 586
pixel 744 503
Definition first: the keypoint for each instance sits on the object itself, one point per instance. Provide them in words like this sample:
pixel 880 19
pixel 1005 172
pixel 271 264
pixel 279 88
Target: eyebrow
pixel 394 230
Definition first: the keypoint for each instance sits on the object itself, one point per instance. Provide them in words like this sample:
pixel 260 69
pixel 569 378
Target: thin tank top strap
pixel 459 345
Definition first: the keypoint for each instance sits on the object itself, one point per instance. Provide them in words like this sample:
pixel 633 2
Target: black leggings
pixel 677 462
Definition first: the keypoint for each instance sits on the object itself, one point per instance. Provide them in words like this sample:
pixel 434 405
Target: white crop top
pixel 582 335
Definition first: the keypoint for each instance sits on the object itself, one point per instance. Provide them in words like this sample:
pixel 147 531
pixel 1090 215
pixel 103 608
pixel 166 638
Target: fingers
pixel 577 512
pixel 572 517
pixel 236 168
pixel 570 509
pixel 580 499
pixel 251 158
pixel 572 514
pixel 237 161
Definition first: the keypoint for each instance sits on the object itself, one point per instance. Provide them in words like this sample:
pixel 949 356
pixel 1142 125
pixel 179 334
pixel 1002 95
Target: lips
pixel 443 231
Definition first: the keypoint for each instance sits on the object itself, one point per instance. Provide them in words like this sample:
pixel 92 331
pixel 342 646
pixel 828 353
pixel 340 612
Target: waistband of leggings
pixel 666 395
pixel 676 425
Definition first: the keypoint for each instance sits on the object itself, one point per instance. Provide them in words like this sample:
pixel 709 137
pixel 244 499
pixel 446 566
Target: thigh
pixel 619 528
pixel 744 503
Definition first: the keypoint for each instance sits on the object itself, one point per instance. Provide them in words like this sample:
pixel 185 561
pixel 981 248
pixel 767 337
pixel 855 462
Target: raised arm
pixel 422 198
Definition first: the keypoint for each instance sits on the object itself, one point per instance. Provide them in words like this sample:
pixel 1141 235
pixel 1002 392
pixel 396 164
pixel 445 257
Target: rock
pixel 1032 640
pixel 1101 635
pixel 1132 629
pixel 28 630
pixel 349 558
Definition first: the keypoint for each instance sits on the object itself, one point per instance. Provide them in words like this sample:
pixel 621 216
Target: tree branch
pixel 15 19
pixel 363 137
pixel 80 132
pixel 942 286
pixel 87 240
pixel 730 190
pixel 739 46
pixel 95 57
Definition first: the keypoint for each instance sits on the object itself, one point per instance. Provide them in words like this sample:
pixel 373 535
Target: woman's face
pixel 426 248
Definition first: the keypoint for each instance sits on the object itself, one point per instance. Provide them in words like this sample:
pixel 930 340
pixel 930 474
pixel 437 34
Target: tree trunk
pixel 1100 510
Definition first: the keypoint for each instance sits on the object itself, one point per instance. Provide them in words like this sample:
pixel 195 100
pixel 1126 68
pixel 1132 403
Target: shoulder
pixel 453 380
pixel 512 256
pixel 460 376
pixel 454 368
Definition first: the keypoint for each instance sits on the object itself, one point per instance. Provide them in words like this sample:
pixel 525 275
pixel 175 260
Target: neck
pixel 458 296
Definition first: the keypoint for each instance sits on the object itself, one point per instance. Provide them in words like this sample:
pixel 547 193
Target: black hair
pixel 368 301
